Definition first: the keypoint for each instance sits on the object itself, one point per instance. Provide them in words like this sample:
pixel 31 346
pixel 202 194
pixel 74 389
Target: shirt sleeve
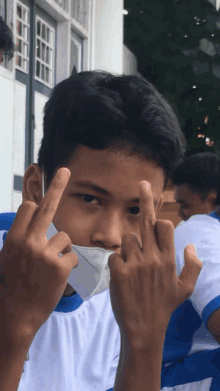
pixel 114 365
pixel 204 232
pixel 2 238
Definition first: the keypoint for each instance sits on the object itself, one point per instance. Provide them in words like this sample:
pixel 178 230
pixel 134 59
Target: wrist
pixel 16 337
pixel 139 368
pixel 137 344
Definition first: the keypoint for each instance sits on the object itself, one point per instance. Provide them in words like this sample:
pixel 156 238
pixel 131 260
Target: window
pixel 63 4
pixel 75 54
pixel 22 37
pixel 2 8
pixel 45 37
pixel 79 12
pixel 2 14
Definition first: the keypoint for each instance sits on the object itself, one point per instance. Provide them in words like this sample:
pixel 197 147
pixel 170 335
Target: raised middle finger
pixel 50 202
pixel 147 217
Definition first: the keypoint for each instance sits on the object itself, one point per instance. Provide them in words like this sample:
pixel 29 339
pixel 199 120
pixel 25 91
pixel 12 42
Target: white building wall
pixel 102 49
pixel 18 138
pixel 129 62
pixel 40 101
pixel 108 43
pixel 6 139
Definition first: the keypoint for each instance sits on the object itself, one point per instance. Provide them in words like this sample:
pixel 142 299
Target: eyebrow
pixel 181 202
pixel 92 186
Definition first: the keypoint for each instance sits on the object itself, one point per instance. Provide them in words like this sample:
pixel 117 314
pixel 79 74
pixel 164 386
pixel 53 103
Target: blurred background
pixel 175 44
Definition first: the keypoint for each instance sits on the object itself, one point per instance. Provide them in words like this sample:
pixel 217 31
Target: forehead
pixel 183 193
pixel 115 171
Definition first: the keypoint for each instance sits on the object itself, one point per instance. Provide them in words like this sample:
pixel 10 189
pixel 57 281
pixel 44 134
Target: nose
pixel 108 232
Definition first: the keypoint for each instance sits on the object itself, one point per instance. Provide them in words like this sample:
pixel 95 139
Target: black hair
pixel 7 46
pixel 100 110
pixel 201 173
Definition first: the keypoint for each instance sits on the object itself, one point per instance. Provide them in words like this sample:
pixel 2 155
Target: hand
pixel 144 286
pixel 35 276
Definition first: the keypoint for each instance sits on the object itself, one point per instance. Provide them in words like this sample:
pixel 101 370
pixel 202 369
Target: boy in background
pixel 197 181
pixel 6 41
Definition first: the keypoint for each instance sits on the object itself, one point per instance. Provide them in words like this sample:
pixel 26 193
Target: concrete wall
pixel 108 36
pixel 103 49
pixel 129 62
pixel 6 139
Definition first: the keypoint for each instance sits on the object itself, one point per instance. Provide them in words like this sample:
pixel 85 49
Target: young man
pixel 193 335
pixel 197 184
pixel 6 41
pixel 120 141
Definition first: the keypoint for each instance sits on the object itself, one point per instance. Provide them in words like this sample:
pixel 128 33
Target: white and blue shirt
pixel 77 348
pixel 187 332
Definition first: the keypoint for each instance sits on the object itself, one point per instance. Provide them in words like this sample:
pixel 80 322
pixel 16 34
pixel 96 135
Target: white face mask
pixel 92 275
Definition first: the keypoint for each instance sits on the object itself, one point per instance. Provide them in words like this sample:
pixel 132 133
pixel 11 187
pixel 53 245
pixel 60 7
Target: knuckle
pixel 45 208
pixel 75 259
pixel 170 264
pixel 28 206
pixel 122 274
pixel 130 238
pixel 30 245
pixel 64 237
pixel 149 223
pixel 189 289
pixel 154 262
pixel 166 224
pixel 112 261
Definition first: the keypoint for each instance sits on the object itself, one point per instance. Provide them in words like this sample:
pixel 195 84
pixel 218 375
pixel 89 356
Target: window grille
pixel 22 37
pixel 63 4
pixel 79 12
pixel 45 52
pixel 2 8
pixel 75 54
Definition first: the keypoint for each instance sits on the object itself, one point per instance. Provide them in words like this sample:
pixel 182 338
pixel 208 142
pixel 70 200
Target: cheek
pixel 76 224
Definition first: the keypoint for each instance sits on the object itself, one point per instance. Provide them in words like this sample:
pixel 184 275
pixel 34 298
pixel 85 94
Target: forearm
pixel 140 370
pixel 12 359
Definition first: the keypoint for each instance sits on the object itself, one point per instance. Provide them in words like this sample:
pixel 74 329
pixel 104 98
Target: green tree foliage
pixel 177 44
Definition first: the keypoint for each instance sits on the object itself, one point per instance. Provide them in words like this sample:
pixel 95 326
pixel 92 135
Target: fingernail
pixel 60 172
pixel 147 185
pixel 192 248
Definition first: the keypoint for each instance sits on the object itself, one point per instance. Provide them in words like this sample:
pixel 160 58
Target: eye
pixel 87 198
pixel 135 210
pixel 184 206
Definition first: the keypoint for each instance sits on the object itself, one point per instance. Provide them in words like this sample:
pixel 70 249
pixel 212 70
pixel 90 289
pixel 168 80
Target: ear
pixel 32 184
pixel 159 205
pixel 211 198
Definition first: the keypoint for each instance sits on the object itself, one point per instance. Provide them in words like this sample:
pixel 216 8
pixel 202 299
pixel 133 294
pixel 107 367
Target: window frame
pixel 21 38
pixel 52 49
pixel 77 15
pixel 79 46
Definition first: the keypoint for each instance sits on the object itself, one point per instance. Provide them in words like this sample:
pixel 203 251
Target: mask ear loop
pixel 43 183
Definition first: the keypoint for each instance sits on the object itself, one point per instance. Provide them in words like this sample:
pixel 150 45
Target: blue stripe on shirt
pixel 6 220
pixel 196 367
pixel 211 307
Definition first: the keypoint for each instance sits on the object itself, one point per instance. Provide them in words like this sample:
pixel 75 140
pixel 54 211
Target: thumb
pixel 190 271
